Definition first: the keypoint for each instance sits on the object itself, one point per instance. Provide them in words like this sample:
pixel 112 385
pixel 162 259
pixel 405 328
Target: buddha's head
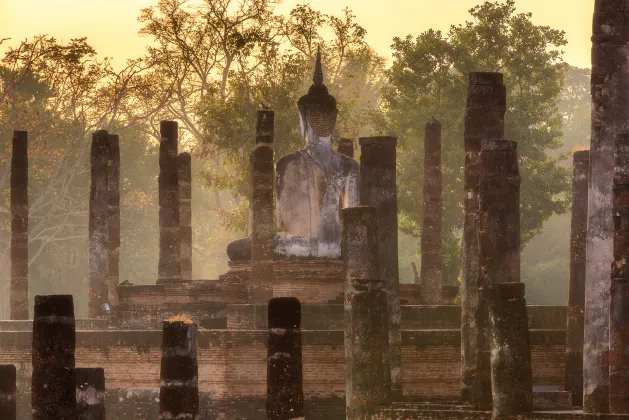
pixel 317 109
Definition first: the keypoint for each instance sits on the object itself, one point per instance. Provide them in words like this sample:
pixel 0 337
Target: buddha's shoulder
pixel 349 163
pixel 291 158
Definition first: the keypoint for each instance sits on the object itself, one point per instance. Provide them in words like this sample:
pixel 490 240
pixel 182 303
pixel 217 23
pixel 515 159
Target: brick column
pixel 511 375
pixel 113 215
pixel 8 392
pixel 184 167
pixel 367 383
pixel 346 147
pixel 169 267
pixel 499 245
pixel 378 188
pixel 90 393
pixel 53 394
pixel 98 225
pixel 484 119
pixel 285 396
pixel 179 376
pixel 19 227
pixel 263 229
pixel 431 279
pixel 573 379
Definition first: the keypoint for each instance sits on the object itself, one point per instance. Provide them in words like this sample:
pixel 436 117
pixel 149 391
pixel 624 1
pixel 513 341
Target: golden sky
pixel 111 25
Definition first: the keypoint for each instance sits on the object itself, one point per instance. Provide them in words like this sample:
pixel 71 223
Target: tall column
pixel 184 168
pixel 346 147
pixel 573 380
pixel 90 393
pixel 113 215
pixel 484 119
pixel 53 394
pixel 511 375
pixel 8 405
pixel 285 395
pixel 367 381
pixel 431 279
pixel 169 266
pixel 19 227
pixel 98 225
pixel 499 245
pixel 610 111
pixel 263 229
pixel 179 373
pixel 619 293
pixel 378 188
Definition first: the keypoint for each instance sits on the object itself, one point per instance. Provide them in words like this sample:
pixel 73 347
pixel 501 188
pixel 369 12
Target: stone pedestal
pixel 19 227
pixel 184 170
pixel 90 393
pixel 113 215
pixel 8 402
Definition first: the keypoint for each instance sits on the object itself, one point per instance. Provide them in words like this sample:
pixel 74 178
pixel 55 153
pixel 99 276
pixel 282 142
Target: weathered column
pixel 573 379
pixel 619 293
pixel 90 393
pixel 169 266
pixel 113 215
pixel 19 227
pixel 8 389
pixel 610 111
pixel 263 229
pixel 346 147
pixel 53 394
pixel 431 279
pixel 284 396
pixel 511 375
pixel 179 376
pixel 499 245
pixel 484 119
pixel 184 167
pixel 98 225
pixel 378 188
pixel 367 381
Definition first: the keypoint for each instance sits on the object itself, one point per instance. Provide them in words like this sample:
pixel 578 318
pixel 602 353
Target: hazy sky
pixel 111 25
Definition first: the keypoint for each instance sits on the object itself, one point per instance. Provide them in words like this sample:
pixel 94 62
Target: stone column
pixel 511 375
pixel 90 393
pixel 573 380
pixel 98 225
pixel 53 394
pixel 285 396
pixel 346 147
pixel 8 389
pixel 484 119
pixel 113 215
pixel 179 376
pixel 169 267
pixel 378 188
pixel 184 168
pixel 367 382
pixel 263 229
pixel 499 245
pixel 619 293
pixel 19 227
pixel 431 279
pixel 610 111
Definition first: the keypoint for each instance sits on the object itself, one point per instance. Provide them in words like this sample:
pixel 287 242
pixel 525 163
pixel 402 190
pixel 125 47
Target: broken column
pixel 573 379
pixel 367 382
pixel 90 394
pixel 610 111
pixel 285 396
pixel 53 394
pixel 184 168
pixel 431 279
pixel 378 188
pixel 346 147
pixel 8 405
pixel 511 375
pixel 179 376
pixel 484 119
pixel 19 227
pixel 263 229
pixel 619 293
pixel 98 225
pixel 113 215
pixel 499 245
pixel 169 266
